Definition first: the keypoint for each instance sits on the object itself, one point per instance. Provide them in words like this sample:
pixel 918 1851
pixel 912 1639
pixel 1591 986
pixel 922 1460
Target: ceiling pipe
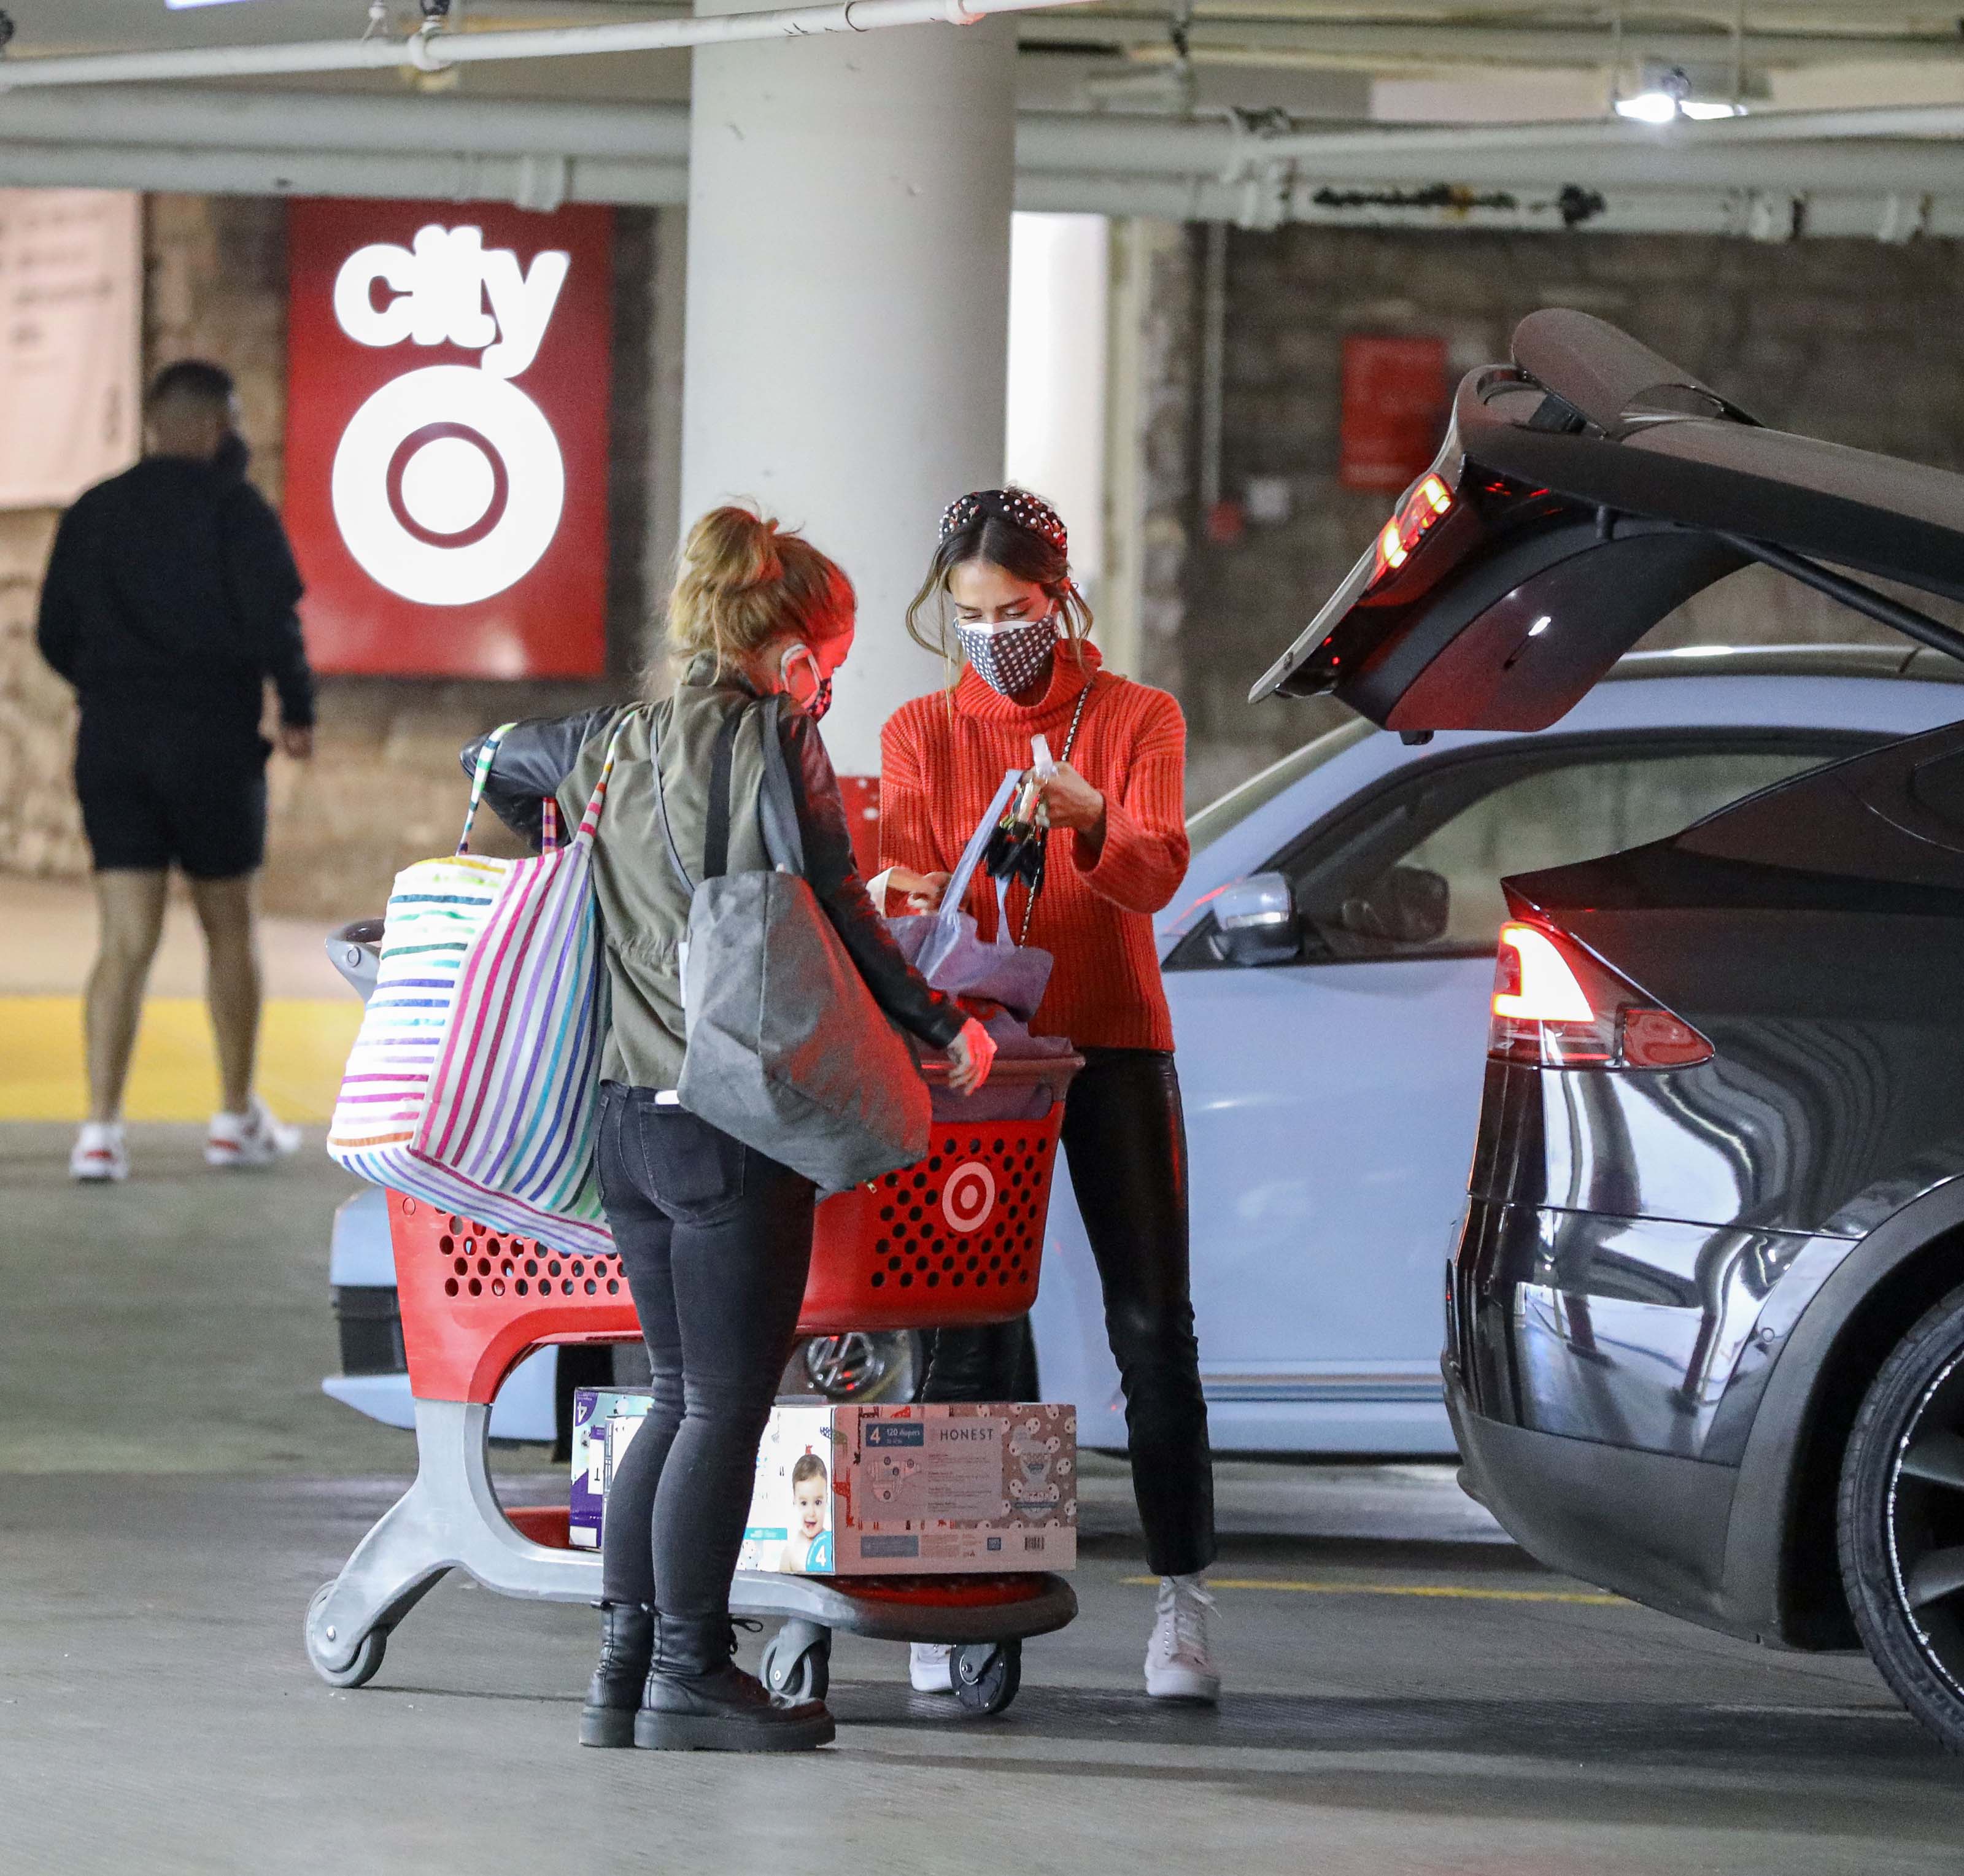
pixel 213 117
pixel 1479 157
pixel 1122 142
pixel 533 181
pixel 544 183
pixel 438 51
pixel 1387 42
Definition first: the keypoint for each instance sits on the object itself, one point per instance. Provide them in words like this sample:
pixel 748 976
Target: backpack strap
pixel 722 761
pixel 783 837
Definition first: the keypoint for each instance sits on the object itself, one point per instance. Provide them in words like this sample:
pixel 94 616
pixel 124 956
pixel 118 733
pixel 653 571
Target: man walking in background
pixel 168 602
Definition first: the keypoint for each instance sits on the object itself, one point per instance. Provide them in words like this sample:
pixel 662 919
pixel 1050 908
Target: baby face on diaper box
pixel 790 1523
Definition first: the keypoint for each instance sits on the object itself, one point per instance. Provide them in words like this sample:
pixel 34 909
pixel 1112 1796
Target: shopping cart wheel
pixel 986 1675
pixel 797 1661
pixel 368 1658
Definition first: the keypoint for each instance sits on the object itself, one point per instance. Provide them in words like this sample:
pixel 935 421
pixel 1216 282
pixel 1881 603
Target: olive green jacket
pixel 643 903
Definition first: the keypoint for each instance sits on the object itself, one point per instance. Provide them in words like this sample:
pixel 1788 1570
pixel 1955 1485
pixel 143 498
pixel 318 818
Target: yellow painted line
pixel 303 1045
pixel 1396 1589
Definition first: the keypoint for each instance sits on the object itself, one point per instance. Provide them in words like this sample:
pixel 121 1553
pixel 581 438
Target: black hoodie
pixel 172 586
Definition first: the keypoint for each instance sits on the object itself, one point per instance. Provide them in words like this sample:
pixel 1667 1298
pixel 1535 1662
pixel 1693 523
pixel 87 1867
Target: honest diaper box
pixel 603 1420
pixel 915 1490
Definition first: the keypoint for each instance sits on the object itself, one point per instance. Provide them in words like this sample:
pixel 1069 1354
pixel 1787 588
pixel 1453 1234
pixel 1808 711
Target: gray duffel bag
pixel 787 1049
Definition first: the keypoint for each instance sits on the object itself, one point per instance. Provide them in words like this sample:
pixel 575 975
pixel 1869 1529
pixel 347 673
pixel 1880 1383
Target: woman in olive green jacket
pixel 714 1237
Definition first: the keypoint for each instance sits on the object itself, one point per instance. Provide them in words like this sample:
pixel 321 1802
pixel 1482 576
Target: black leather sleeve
pixel 534 758
pixel 899 989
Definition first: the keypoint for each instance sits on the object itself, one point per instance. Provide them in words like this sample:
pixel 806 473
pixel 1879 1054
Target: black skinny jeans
pixel 1125 1137
pixel 716 1242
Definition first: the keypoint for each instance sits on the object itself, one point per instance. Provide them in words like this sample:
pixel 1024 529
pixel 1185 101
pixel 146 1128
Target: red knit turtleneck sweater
pixel 943 757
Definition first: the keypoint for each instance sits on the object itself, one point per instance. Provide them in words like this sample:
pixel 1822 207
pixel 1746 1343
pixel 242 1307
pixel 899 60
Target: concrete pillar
pixel 849 258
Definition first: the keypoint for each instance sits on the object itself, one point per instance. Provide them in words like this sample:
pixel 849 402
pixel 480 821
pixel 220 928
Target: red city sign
pixel 448 378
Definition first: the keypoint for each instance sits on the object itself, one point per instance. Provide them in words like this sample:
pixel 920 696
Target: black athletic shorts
pixel 162 789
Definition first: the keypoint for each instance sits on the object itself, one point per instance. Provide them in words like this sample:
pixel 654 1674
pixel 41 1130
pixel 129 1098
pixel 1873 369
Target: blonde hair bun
pixel 731 550
pixel 741 580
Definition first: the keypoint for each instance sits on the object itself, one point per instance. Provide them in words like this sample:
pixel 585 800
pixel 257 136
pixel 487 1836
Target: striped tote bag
pixel 473 1083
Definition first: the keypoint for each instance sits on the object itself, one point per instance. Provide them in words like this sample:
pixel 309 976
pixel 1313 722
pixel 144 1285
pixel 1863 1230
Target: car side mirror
pixel 1255 923
pixel 1406 906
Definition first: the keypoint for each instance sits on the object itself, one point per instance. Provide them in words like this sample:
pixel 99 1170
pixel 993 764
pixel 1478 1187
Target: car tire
pixel 1900 1521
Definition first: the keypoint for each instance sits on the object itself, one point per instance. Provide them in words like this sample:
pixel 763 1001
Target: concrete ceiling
pixel 1354 58
pixel 1090 76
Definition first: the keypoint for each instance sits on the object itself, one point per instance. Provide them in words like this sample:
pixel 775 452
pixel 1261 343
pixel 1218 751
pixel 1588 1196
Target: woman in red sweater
pixel 999 604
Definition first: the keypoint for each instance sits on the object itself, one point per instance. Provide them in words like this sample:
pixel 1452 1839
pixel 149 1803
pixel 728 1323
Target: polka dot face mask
pixel 1010 658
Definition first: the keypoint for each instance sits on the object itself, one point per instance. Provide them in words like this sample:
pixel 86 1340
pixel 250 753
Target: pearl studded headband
pixel 1020 509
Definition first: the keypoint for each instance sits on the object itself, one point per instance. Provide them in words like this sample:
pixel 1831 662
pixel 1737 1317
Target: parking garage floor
pixel 1409 1693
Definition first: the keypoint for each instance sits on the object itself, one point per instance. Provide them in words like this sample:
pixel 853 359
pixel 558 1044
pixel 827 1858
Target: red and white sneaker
pixel 99 1157
pixel 251 1139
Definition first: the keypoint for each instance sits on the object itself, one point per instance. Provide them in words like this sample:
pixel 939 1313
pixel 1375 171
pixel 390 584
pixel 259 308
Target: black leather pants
pixel 1125 1138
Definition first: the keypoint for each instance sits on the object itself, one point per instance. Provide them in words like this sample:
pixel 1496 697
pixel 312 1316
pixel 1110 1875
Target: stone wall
pixel 1852 340
pixel 384 787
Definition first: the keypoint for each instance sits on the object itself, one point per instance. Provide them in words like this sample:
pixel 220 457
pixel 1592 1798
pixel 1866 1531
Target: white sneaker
pixel 1180 1658
pixel 931 1667
pixel 251 1139
pixel 99 1157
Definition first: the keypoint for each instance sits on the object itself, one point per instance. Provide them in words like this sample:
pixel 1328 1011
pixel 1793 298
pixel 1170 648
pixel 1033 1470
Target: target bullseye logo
pixel 447 485
pixel 450 393
pixel 968 1196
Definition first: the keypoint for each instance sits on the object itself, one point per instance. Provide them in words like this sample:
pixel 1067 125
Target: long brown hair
pixel 989 535
pixel 741 580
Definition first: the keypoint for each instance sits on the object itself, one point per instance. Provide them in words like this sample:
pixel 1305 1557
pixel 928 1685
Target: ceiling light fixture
pixel 1668 98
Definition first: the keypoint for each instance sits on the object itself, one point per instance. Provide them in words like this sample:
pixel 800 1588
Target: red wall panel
pixel 1395 410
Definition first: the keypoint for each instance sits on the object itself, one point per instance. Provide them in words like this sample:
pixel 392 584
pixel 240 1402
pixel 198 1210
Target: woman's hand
pixel 970 1056
pixel 1070 801
pixel 922 891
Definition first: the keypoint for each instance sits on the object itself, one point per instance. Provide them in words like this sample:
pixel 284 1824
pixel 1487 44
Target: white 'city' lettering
pixel 523 303
pixel 437 291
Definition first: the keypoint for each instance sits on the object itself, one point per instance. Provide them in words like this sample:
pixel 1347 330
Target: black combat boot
pixel 699 1700
pixel 614 1695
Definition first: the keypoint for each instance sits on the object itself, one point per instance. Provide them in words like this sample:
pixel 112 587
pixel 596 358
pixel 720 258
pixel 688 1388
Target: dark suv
pixel 1706 1321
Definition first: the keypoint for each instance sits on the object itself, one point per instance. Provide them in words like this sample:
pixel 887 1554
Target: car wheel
pixel 858 1367
pixel 1901 1523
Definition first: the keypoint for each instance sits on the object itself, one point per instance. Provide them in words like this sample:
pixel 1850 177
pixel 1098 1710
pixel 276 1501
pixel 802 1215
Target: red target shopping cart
pixel 956 1239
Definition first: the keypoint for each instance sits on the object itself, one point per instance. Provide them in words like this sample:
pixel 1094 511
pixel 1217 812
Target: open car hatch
pixel 1582 493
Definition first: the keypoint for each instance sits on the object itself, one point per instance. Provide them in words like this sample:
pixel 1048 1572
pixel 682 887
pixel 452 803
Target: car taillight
pixel 1556 1005
pixel 1427 503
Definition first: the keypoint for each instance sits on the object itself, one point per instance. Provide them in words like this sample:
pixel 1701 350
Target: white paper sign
pixel 71 300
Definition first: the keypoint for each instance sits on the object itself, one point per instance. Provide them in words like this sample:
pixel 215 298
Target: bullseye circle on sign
pixel 968 1196
pixel 447 485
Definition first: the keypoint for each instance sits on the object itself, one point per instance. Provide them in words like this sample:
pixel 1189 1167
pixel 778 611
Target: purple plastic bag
pixel 943 946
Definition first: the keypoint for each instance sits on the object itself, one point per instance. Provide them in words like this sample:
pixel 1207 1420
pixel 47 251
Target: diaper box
pixel 905 1490
pixel 603 1420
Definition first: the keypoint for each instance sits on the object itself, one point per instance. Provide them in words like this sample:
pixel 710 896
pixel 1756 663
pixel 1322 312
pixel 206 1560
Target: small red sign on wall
pixel 1395 410
pixel 448 379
